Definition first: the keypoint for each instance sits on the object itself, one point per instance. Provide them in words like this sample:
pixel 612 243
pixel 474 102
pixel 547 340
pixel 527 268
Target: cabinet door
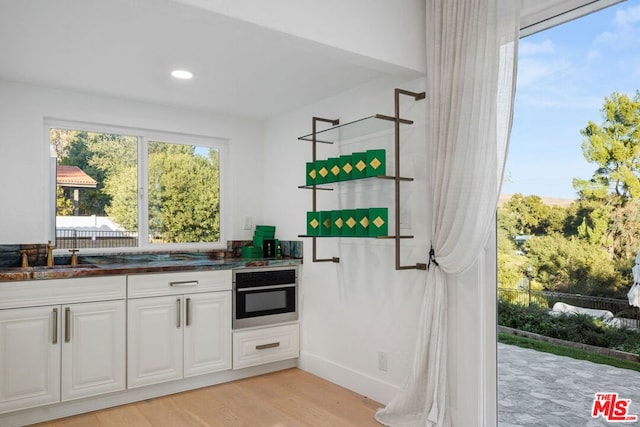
pixel 154 340
pixel 29 357
pixel 93 348
pixel 207 333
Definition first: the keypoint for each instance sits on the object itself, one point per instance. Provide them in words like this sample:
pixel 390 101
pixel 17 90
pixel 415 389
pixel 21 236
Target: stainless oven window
pixel 272 300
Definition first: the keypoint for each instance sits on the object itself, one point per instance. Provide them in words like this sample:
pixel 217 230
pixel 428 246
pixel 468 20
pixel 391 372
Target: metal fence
pixel 546 299
pixel 81 239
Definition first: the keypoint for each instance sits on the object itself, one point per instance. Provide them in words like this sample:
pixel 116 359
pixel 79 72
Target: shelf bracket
pixel 397 178
pixel 314 190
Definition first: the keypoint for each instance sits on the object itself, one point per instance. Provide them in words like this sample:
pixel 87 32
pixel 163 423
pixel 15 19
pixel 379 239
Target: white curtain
pixel 471 62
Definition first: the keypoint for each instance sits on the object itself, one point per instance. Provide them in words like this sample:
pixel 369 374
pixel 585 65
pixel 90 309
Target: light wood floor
pixel 287 398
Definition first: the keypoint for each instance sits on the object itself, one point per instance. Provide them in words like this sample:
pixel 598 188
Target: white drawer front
pixel 61 291
pixel 179 283
pixel 258 346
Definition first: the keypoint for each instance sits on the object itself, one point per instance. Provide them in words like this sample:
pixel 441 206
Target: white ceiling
pixel 126 49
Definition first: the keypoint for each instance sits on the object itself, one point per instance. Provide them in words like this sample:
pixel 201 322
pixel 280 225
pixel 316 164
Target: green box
pixel 266 228
pixel 313 223
pixel 346 167
pixel 362 222
pixel 333 165
pixel 376 162
pixel 359 162
pixel 337 225
pixel 325 223
pixel 350 223
pixel 378 222
pixel 322 173
pixel 251 252
pixel 311 174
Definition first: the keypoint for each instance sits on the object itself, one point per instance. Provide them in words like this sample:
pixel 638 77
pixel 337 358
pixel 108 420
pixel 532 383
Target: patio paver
pixel 542 389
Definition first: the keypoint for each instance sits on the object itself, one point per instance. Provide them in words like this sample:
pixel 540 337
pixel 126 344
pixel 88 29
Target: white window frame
pixel 144 137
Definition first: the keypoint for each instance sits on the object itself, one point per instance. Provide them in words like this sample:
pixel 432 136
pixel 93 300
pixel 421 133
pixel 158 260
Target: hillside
pixel 551 201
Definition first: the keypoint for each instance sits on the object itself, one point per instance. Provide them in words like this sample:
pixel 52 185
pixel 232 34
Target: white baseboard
pixel 358 382
pixel 74 407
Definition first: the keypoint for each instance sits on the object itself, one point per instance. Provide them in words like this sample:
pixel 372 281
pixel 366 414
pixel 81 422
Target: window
pixel 129 188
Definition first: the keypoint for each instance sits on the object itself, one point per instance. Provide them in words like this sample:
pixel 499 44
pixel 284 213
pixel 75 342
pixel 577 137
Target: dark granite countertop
pixel 104 266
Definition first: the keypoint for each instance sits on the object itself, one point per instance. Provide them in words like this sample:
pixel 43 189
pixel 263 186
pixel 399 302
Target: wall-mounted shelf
pixel 367 126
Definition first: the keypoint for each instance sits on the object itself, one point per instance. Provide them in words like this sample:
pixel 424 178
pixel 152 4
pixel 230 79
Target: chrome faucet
pixel 50 248
pixel 74 257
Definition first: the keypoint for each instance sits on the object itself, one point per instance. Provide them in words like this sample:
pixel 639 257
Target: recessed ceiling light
pixel 182 74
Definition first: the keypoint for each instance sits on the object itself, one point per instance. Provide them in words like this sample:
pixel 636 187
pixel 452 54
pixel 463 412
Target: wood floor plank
pixel 288 398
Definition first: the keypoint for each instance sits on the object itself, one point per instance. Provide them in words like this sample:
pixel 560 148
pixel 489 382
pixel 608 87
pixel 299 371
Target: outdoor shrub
pixel 569 327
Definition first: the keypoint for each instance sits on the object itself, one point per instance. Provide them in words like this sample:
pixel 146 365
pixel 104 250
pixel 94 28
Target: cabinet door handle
pixel 183 284
pixel 187 320
pixel 178 317
pixel 67 324
pixel 266 346
pixel 55 326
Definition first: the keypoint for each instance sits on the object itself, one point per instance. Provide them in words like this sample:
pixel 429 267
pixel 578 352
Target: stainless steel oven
pixel 265 295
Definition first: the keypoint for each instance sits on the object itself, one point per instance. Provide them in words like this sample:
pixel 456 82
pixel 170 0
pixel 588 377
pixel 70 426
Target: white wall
pixel 390 31
pixel 354 309
pixel 25 214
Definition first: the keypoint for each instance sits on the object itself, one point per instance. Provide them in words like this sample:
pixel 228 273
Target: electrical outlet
pixel 248 223
pixel 383 361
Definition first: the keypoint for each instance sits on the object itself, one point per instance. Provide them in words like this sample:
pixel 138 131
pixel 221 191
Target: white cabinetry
pixel 264 345
pixel 179 325
pixel 93 348
pixel 30 357
pixel 64 340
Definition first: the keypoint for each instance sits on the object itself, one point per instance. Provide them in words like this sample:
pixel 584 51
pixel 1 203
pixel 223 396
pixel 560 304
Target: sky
pixel 564 75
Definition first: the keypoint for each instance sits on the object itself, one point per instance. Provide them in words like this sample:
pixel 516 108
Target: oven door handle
pixel 266 288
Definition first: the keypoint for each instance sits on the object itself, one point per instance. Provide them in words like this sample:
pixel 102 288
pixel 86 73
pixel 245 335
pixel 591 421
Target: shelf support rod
pixel 314 142
pixel 416 96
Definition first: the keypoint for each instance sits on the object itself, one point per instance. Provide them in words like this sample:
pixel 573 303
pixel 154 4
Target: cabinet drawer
pixel 61 291
pixel 150 285
pixel 265 345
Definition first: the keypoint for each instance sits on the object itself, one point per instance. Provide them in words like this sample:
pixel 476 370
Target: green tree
pixel 529 215
pixel 614 146
pixel 572 265
pixel 184 197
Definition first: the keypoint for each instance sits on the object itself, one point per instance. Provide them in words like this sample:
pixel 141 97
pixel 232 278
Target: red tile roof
pixel 73 176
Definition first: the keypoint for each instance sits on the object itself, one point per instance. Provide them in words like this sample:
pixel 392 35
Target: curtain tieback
pixel 432 258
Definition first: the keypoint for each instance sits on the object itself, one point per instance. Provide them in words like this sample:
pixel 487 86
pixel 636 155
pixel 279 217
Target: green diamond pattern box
pixel 376 162
pixel 378 222
pixel 333 166
pixel 311 173
pixel 349 221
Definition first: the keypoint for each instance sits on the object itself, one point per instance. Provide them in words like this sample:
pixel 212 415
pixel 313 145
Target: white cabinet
pixel 59 351
pixel 29 357
pixel 263 345
pixel 93 348
pixel 182 334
